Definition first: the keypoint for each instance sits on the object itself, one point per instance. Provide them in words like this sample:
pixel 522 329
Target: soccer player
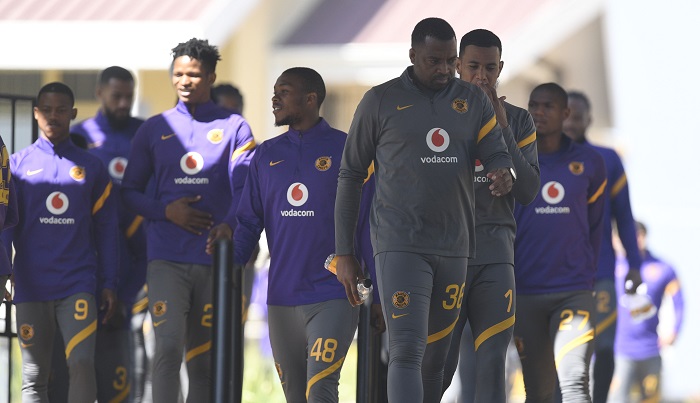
pixel 638 345
pixel 423 131
pixel 490 286
pixel 68 213
pixel 108 135
pixel 557 245
pixel 197 154
pixel 290 193
pixel 8 217
pixel 617 208
pixel 229 97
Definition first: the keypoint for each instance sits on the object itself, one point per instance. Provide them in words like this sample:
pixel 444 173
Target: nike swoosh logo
pixel 26 345
pixel 34 172
pixel 275 163
pixel 395 316
pixel 166 136
pixel 400 108
pixel 160 322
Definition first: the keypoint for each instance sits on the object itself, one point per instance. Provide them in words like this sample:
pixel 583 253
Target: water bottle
pixel 364 286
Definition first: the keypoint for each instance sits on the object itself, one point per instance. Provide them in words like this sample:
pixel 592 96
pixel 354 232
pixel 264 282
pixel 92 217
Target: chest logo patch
pixel 159 308
pixel 438 140
pixel 191 163
pixel 478 167
pixel 215 136
pixel 553 192
pixel 576 167
pixel 297 194
pixel 116 167
pixel 460 105
pixel 323 163
pixel 57 203
pixel 77 173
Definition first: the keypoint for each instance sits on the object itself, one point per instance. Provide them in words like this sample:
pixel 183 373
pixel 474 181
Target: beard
pixel 117 122
pixel 288 120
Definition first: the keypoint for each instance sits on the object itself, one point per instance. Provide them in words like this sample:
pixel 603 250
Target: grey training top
pixel 424 147
pixel 495 225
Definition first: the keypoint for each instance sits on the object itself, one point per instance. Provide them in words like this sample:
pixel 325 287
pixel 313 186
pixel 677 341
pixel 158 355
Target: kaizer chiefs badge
pixel 400 299
pixel 323 163
pixel 26 332
pixel 159 308
pixel 576 167
pixel 77 173
pixel 215 136
pixel 460 105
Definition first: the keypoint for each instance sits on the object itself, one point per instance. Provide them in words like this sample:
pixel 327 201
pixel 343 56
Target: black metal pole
pixel 221 333
pixel 368 356
pixel 237 332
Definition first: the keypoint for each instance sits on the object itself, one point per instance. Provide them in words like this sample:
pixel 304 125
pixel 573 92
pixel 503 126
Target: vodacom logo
pixel 117 166
pixel 438 140
pixel 57 203
pixel 553 192
pixel 297 194
pixel 191 163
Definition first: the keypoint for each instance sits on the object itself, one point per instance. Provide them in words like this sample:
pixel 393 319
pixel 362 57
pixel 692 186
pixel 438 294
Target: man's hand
pixel 632 281
pixel 376 318
pixel 221 231
pixel 188 218
pixel 348 272
pixel 108 302
pixel 667 339
pixel 501 182
pixel 496 102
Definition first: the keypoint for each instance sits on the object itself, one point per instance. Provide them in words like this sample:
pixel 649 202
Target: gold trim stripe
pixel 82 335
pixel 101 201
pixel 323 374
pixel 493 330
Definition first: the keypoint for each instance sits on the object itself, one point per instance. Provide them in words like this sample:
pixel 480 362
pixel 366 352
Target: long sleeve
pixel 358 155
pixel 621 211
pixel 243 150
pixel 522 147
pixel 106 230
pixel 673 290
pixel 136 177
pixel 596 205
pixel 250 216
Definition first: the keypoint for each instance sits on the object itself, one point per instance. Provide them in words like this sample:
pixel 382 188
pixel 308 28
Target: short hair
pixel 311 81
pixel 581 97
pixel 431 27
pixel 226 90
pixel 57 88
pixel 482 38
pixel 556 90
pixel 201 50
pixel 641 228
pixel 116 72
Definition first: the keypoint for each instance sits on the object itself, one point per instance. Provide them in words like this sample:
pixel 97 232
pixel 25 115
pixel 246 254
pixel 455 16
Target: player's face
pixel 579 119
pixel 53 113
pixel 288 101
pixel 117 97
pixel 434 62
pixel 230 103
pixel 191 80
pixel 548 112
pixel 480 65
